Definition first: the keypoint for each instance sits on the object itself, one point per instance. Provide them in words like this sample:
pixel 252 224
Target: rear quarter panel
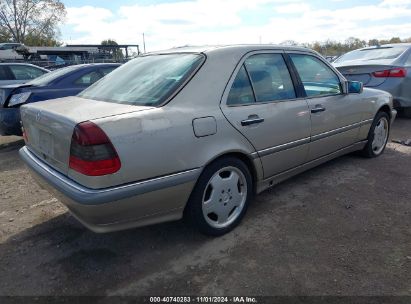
pixel 161 142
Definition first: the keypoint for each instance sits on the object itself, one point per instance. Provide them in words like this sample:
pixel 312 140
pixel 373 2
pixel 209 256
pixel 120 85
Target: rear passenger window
pixel 22 72
pixel 89 78
pixel 241 91
pixel 317 78
pixel 270 78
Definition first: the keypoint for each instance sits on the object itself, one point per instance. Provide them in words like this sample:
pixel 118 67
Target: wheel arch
pixel 247 159
pixel 386 109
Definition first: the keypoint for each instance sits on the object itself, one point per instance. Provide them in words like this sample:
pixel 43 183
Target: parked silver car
pixel 386 67
pixel 16 73
pixel 196 132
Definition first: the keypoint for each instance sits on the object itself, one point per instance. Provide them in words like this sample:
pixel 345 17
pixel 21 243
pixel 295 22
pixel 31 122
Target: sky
pixel 173 23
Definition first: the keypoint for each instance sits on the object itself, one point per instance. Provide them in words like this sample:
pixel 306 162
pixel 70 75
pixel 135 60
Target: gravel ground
pixel 340 229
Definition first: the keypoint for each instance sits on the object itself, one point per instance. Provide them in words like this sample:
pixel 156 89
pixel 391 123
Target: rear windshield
pixel 147 80
pixel 47 78
pixel 380 53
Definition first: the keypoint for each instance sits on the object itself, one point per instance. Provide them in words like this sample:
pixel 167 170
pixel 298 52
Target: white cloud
pixel 401 3
pixel 202 22
pixel 293 8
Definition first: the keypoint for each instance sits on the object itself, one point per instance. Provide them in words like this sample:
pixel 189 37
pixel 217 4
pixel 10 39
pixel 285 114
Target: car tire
pixel 221 196
pixel 377 136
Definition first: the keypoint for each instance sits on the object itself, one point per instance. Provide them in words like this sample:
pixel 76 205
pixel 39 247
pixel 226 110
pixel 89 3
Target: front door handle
pixel 252 119
pixel 318 108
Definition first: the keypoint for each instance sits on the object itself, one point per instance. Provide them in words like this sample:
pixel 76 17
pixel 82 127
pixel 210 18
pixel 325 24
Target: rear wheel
pixel 221 196
pixel 378 135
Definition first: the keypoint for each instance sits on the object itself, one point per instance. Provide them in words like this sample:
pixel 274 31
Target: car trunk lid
pixel 364 73
pixel 49 125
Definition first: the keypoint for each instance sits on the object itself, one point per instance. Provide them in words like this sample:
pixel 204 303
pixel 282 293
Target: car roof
pixel 24 64
pixel 240 48
pixel 83 66
pixel 391 45
pixel 98 64
pixel 19 63
pixel 86 65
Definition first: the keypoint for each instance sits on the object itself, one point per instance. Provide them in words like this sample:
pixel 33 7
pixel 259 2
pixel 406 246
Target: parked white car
pixel 8 51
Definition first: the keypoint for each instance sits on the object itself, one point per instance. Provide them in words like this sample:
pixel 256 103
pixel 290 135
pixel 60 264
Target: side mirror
pixel 355 87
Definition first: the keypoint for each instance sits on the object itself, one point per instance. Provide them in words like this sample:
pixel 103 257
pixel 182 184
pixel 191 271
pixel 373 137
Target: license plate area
pixel 45 143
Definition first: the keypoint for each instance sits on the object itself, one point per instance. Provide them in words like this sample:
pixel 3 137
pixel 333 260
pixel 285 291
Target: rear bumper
pixel 121 207
pixel 10 121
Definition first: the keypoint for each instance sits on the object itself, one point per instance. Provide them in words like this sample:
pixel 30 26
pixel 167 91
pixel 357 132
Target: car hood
pixel 14 86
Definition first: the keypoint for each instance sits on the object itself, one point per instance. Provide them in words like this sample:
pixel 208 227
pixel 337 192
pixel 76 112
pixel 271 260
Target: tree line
pixel 336 48
pixel 32 22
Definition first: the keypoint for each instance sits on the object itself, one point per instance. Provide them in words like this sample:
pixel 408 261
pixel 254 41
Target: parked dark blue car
pixel 67 81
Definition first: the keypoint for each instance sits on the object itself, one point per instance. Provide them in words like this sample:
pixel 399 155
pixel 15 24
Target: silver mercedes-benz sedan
pixel 196 132
pixel 386 67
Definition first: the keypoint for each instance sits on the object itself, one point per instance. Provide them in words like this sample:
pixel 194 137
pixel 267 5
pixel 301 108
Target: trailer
pixel 54 57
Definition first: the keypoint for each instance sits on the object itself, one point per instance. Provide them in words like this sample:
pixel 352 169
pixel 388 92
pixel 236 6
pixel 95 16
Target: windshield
pixel 45 79
pixel 379 53
pixel 147 80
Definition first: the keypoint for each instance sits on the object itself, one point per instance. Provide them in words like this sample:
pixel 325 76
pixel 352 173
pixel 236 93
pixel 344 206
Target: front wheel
pixel 378 135
pixel 221 196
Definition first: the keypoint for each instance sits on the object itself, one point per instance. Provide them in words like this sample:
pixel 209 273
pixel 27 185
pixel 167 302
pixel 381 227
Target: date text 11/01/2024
pixel 238 299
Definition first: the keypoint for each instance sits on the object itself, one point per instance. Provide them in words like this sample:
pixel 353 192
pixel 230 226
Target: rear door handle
pixel 252 119
pixel 318 108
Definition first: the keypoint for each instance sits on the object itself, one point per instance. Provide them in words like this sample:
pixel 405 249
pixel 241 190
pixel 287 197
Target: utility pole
pixel 144 43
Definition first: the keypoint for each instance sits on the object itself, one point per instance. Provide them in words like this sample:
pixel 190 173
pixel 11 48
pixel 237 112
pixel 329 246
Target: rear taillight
pixel 91 151
pixel 397 72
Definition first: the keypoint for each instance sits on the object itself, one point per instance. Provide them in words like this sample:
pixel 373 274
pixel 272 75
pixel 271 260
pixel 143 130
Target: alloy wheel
pixel 224 197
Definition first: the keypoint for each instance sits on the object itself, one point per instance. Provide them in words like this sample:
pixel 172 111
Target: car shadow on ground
pixel 60 256
pixel 11 145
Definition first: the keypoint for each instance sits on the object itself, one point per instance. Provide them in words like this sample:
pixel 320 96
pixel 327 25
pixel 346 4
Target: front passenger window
pixel 317 78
